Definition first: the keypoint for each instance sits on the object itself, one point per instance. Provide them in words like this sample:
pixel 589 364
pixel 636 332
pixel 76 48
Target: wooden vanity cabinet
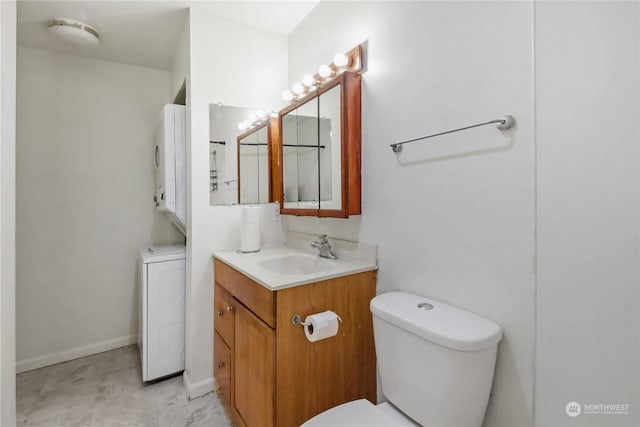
pixel 277 377
pixel 224 314
pixel 222 365
pixel 255 369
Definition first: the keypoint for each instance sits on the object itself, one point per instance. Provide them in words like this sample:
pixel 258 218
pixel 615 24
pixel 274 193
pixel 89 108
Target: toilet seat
pixel 358 413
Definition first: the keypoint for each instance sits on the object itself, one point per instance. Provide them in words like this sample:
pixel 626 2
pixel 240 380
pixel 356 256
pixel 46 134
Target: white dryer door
pixel 165 318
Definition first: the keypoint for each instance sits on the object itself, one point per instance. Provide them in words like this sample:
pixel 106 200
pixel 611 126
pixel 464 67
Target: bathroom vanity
pixel 268 372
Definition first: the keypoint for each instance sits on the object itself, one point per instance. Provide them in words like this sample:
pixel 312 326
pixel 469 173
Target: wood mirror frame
pixel 273 160
pixel 350 146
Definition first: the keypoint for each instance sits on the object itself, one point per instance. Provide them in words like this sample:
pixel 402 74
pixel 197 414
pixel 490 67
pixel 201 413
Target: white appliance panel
pixel 164 162
pixel 161 321
pixel 169 161
pixel 165 316
pixel 180 164
pixel 142 315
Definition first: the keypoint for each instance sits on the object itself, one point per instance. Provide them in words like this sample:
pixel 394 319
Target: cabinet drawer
pixel 223 313
pixel 254 296
pixel 222 366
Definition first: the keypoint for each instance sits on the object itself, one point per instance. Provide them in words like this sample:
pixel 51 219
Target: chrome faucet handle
pixel 324 247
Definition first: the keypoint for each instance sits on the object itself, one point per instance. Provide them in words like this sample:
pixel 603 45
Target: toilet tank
pixel 436 361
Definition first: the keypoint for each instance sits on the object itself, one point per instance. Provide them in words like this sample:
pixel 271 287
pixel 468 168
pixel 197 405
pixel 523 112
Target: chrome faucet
pixel 324 247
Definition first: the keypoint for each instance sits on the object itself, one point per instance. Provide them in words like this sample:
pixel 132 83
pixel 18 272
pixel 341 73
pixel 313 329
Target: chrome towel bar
pixel 503 123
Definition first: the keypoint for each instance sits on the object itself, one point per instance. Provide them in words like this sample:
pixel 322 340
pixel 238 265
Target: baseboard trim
pixel 74 353
pixel 198 389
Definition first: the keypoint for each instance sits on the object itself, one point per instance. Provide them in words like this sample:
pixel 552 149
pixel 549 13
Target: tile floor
pixel 106 390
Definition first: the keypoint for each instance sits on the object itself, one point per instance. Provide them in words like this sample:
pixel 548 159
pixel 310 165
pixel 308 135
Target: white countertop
pixel 274 267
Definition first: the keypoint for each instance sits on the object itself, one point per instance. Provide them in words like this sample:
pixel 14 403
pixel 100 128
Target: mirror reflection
pixel 253 152
pixel 330 158
pixel 223 158
pixel 300 156
pixel 311 154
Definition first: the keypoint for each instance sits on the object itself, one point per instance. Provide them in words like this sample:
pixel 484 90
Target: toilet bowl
pixel 360 413
pixel 436 364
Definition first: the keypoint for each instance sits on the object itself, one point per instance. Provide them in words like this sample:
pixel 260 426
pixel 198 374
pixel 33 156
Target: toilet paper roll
pixel 250 233
pixel 321 325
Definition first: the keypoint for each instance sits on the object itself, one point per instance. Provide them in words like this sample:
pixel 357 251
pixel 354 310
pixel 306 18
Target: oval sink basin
pixel 297 264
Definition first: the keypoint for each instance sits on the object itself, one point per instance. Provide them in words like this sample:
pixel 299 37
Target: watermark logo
pixel 606 408
pixel 573 409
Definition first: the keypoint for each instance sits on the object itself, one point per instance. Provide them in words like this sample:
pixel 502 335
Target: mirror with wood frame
pixel 223 161
pixel 319 150
pixel 255 164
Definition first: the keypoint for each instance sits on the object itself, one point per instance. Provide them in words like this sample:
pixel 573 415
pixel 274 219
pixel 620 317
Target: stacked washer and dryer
pixel 169 159
pixel 161 270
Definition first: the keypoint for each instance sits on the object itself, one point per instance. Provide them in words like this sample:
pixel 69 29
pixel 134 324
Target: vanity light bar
pixel 259 117
pixel 349 61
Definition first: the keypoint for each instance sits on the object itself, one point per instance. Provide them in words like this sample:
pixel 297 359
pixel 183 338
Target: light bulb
pixel 260 114
pixel 287 95
pixel 252 118
pixel 247 124
pixel 340 60
pixel 242 126
pixel 308 80
pixel 325 71
pixel 297 88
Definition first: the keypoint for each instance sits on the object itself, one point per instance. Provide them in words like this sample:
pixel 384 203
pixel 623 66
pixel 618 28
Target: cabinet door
pixel 165 318
pixel 223 313
pixel 255 370
pixel 341 368
pixel 320 148
pixel 222 366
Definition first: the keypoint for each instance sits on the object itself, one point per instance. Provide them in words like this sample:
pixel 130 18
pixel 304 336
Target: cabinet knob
pixel 229 308
pixel 220 365
pixel 220 312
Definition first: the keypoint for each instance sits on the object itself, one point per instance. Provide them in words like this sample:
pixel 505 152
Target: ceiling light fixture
pixel 74 32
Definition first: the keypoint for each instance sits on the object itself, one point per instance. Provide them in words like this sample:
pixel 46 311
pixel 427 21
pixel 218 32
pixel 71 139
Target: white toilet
pixel 436 366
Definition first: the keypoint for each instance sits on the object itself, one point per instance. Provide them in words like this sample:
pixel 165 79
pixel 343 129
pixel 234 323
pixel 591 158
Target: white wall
pixel 7 212
pixel 180 63
pixel 235 65
pixel 588 132
pixel 465 217
pixel 453 218
pixel 85 184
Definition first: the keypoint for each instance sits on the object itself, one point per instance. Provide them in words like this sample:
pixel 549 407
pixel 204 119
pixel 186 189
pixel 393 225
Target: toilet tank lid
pixel 440 323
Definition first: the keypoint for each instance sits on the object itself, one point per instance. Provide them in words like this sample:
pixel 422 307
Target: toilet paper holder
pixel 296 320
